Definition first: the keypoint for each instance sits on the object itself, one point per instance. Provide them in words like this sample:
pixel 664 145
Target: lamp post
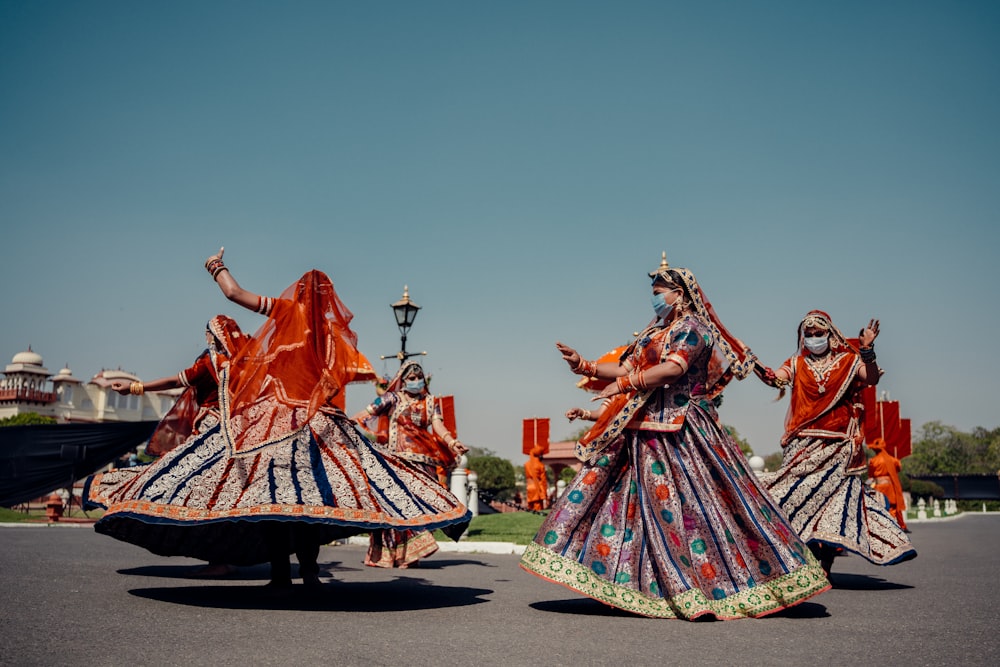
pixel 405 312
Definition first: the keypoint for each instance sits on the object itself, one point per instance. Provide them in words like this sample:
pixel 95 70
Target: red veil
pixel 296 365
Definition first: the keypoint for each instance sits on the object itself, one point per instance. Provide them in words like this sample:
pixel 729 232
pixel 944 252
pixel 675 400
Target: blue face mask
pixel 660 305
pixel 415 386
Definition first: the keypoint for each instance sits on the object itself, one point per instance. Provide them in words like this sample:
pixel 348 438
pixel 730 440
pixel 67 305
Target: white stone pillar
pixel 460 480
pixel 560 488
pixel 473 504
pixel 937 507
pixel 921 509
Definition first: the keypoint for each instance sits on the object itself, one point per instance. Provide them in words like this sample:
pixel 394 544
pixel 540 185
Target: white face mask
pixel 817 344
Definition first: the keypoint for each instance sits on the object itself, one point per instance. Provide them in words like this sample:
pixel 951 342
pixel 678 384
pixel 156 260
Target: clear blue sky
pixel 520 165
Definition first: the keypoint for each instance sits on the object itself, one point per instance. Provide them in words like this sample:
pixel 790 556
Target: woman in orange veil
pixel 284 470
pixel 819 484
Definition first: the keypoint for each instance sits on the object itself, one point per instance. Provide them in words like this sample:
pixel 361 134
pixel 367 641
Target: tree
pixel 27 419
pixel 496 476
pixel 773 461
pixel 939 449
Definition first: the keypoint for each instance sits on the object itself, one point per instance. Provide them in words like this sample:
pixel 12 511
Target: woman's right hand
pixel 121 386
pixel 215 257
pixel 576 413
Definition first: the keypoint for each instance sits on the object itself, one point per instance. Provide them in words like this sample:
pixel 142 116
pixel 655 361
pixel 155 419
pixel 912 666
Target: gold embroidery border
pixel 763 599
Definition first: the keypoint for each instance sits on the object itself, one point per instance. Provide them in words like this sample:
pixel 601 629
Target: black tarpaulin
pixel 36 460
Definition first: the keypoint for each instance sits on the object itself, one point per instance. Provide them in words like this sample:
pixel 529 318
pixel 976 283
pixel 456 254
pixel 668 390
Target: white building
pixel 27 386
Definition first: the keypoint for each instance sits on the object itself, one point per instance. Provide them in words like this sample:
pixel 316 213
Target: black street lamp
pixel 405 312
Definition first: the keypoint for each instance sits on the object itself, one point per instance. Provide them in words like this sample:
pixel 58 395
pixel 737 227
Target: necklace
pixel 821 367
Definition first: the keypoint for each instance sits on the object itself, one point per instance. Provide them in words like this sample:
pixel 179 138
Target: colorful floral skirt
pixel 200 502
pixel 674 525
pixel 830 506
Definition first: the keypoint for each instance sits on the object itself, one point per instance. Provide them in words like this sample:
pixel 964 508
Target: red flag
pixel 890 424
pixel 872 426
pixel 904 444
pixel 448 413
pixel 536 432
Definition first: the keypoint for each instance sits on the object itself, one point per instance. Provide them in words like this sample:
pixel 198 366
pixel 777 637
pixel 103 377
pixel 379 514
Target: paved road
pixel 70 596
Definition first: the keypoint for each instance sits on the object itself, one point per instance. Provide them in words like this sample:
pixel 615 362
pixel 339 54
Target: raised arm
pixel 230 288
pixel 869 372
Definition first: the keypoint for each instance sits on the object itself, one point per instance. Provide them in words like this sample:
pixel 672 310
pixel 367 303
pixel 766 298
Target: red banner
pixel 872 426
pixel 536 432
pixel 889 411
pixel 448 413
pixel 904 445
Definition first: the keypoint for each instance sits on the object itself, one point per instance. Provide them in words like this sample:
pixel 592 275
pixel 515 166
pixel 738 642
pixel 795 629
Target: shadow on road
pixel 403 594
pixel 435 563
pixel 580 607
pixel 862 582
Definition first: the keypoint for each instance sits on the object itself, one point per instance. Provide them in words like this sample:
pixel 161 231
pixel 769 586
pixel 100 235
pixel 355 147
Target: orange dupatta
pixel 295 366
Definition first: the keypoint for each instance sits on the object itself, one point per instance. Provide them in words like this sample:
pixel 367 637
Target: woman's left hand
pixel 868 335
pixel 459 448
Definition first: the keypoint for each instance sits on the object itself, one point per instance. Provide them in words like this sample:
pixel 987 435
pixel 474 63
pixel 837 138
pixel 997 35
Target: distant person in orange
pixel 535 480
pixel 883 473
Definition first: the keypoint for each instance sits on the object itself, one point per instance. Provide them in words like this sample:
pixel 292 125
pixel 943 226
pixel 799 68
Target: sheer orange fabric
pixel 294 366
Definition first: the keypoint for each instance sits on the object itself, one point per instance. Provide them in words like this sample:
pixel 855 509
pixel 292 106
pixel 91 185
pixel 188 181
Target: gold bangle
pixel 136 389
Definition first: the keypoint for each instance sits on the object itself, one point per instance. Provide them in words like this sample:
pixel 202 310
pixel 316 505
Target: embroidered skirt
pixel 674 525
pixel 830 506
pixel 200 502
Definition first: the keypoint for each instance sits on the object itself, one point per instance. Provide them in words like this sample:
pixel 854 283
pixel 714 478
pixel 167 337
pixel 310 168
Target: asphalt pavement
pixel 72 597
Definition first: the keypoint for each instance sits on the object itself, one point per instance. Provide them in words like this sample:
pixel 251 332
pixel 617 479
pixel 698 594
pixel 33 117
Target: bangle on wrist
pixel 136 389
pixel 585 367
pixel 624 384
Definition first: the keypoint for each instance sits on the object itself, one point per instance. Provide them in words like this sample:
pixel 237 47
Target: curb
pixel 463 546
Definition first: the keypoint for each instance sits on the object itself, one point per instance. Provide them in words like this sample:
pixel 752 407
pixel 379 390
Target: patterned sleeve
pixel 686 343
pixel 435 408
pixel 382 404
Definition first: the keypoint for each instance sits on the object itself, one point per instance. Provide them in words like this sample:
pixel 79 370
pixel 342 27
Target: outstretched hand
pixel 121 386
pixel 868 335
pixel 569 355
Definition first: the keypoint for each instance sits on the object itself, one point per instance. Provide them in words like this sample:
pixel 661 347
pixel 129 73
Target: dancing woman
pixel 820 483
pixel 414 430
pixel 284 469
pixel 665 519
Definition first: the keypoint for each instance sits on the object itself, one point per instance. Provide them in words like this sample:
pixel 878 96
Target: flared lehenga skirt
pixel 674 525
pixel 831 506
pixel 401 548
pixel 199 501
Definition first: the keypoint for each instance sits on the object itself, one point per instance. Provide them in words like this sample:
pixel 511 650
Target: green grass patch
pixel 15 516
pixel 516 527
